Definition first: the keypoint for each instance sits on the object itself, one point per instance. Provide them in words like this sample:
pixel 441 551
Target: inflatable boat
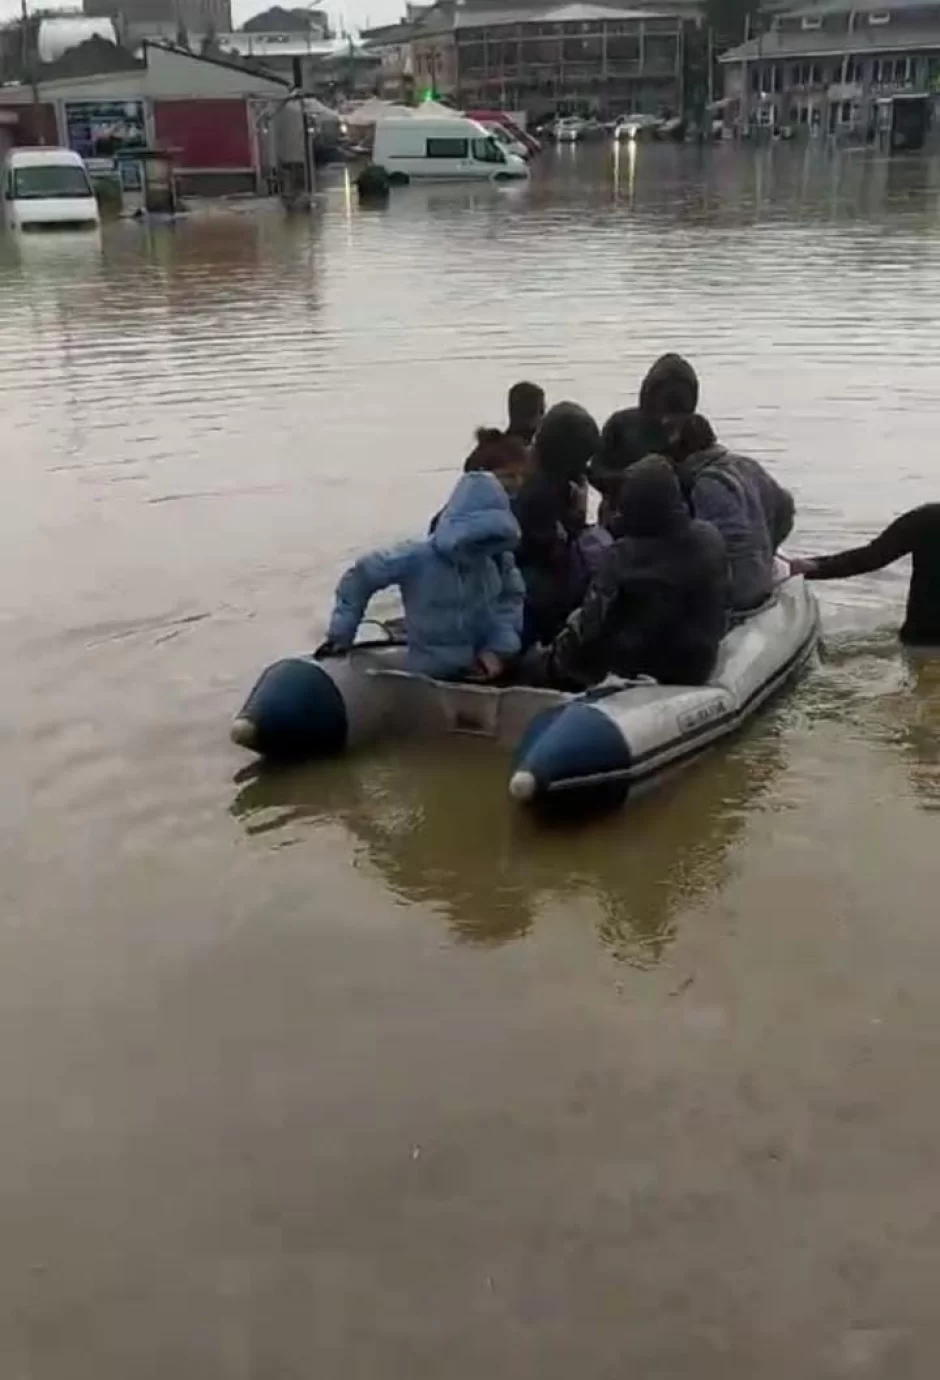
pixel 614 740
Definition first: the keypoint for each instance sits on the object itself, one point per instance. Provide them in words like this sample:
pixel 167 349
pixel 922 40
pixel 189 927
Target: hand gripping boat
pixel 616 739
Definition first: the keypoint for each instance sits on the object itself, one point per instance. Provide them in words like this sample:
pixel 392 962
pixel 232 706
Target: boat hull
pixel 633 737
pixel 615 739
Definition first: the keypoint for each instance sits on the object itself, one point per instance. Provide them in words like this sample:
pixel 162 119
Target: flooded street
pixel 352 1073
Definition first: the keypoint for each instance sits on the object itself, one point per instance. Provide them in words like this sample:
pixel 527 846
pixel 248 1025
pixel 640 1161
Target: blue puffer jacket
pixel 460 587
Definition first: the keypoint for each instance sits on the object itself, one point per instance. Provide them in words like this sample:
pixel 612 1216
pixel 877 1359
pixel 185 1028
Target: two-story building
pixel 837 67
pixel 612 57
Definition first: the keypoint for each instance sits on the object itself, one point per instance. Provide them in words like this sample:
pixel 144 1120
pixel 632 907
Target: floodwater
pixel 352 1073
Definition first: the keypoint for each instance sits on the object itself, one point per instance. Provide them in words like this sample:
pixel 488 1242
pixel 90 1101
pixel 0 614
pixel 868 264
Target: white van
pixel 448 147
pixel 48 189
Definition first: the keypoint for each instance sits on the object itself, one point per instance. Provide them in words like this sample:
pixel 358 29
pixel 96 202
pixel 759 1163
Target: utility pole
pixel 710 71
pixel 745 89
pixel 28 59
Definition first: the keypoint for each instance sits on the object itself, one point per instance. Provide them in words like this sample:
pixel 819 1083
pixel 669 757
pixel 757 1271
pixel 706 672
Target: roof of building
pixel 576 12
pixel 134 79
pixel 285 20
pixel 218 59
pixel 284 45
pixel 781 44
pixel 383 34
pixel 824 7
pixel 446 15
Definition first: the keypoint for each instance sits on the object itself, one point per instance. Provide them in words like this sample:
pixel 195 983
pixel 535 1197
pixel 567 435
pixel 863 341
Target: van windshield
pixel 488 151
pixel 50 180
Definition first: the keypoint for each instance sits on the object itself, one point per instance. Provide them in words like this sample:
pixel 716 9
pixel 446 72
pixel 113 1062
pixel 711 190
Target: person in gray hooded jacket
pixel 753 513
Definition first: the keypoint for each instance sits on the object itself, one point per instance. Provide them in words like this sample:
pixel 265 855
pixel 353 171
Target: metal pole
pixel 28 59
pixel 745 88
pixel 710 75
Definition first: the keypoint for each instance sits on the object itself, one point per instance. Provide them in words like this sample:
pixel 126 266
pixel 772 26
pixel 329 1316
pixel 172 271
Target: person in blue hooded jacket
pixel 462 593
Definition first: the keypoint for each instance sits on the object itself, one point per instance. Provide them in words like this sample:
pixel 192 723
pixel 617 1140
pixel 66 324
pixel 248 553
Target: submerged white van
pixel 48 189
pixel 442 147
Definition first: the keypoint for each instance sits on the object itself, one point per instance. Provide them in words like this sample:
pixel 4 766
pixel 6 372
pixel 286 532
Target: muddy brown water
pixel 353 1072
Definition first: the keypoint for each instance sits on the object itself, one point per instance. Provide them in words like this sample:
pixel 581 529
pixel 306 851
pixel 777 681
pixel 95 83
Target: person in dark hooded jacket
pixel 657 606
pixel 668 394
pixel 558 550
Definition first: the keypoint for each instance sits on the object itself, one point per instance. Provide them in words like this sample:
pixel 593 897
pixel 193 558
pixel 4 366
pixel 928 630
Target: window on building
pixel 811 21
pixel 755 79
pixel 446 148
pixel 879 17
pixel 845 113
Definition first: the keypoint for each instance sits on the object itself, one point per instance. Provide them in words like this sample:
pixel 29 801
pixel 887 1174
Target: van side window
pixel 488 151
pixel 446 148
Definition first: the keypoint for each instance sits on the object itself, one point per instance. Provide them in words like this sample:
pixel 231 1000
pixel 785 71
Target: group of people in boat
pixel 512 580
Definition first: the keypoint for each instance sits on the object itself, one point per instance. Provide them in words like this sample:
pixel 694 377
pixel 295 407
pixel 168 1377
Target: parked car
pixel 569 130
pixel 637 127
pixel 48 189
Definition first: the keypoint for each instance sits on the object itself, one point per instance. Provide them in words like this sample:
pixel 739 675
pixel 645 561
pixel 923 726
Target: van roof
pixel 457 123
pixel 31 157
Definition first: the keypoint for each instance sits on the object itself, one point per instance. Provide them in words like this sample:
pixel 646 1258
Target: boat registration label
pixel 701 715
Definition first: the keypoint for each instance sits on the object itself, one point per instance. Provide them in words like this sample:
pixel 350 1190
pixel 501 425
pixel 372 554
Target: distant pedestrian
pixel 915 533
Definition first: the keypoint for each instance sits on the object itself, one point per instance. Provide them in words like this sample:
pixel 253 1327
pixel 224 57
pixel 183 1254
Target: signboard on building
pixel 102 129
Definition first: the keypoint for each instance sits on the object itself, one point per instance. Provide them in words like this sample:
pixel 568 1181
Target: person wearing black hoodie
pixel 668 394
pixel 657 605
pixel 558 551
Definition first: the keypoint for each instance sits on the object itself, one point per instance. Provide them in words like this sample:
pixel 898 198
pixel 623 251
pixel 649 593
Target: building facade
pixel 606 59
pixel 168 19
pixel 227 126
pixel 835 68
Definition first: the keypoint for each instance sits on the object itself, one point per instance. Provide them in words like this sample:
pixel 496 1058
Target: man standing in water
pixel 915 533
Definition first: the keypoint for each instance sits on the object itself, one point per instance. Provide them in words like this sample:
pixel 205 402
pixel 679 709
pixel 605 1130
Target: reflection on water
pixel 882 695
pixel 437 829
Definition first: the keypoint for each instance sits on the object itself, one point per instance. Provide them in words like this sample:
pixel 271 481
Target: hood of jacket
pixel 693 465
pixel 627 436
pixel 670 388
pixel 651 500
pixel 566 442
pixel 476 520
